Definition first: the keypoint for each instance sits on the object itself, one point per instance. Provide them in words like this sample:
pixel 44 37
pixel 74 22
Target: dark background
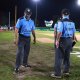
pixel 47 10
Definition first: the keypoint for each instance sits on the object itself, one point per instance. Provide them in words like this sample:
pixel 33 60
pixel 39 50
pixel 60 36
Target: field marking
pixel 76 53
pixel 78 56
pixel 77 47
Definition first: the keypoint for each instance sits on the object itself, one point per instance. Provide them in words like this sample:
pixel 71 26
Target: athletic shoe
pixel 55 76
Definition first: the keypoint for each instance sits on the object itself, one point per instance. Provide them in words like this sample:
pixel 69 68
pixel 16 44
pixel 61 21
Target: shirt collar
pixel 65 17
pixel 26 19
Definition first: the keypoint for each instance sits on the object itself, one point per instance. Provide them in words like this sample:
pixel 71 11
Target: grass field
pixel 41 58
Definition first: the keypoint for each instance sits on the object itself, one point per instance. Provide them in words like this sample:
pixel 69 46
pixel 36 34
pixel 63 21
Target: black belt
pixel 21 35
pixel 65 37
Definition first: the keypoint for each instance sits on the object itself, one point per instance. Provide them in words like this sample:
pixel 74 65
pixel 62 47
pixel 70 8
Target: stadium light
pixel 36 1
pixel 78 2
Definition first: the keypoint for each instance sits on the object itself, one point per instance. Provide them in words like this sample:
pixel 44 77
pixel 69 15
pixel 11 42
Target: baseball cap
pixel 28 11
pixel 65 12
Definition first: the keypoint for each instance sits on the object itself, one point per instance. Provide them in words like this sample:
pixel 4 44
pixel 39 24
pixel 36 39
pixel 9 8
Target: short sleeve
pixel 18 24
pixel 60 27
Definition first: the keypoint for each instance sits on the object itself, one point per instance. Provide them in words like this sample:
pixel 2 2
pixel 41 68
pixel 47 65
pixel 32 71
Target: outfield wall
pixel 50 29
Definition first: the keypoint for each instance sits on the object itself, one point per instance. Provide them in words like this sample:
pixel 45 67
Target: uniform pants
pixel 23 51
pixel 62 55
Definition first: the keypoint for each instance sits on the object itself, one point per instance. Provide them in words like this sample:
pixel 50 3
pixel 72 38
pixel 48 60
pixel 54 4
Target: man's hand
pixel 34 41
pixel 57 44
pixel 16 42
pixel 75 39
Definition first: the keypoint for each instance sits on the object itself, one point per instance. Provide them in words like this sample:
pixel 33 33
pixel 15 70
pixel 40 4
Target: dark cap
pixel 65 12
pixel 28 11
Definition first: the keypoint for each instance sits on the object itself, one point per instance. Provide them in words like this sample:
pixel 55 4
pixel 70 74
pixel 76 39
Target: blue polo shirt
pixel 67 28
pixel 27 26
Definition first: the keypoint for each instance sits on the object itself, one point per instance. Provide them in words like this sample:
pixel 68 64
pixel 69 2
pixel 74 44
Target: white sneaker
pixel 66 74
pixel 55 76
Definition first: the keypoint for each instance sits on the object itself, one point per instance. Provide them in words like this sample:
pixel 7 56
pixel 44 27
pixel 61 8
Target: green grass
pixel 6 65
pixel 6 37
pixel 37 78
pixel 41 58
pixel 6 72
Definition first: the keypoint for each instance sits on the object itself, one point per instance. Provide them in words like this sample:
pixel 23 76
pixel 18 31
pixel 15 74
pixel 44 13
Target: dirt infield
pixel 1 30
pixel 47 40
pixel 78 36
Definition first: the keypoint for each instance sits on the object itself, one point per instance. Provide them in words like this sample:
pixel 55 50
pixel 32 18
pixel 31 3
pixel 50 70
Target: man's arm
pixel 55 34
pixel 34 36
pixel 17 27
pixel 59 33
pixel 16 36
pixel 58 38
pixel 74 38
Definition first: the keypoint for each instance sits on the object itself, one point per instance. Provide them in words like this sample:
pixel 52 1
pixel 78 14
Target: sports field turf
pixel 41 58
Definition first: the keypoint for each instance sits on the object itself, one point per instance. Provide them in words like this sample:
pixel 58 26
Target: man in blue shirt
pixel 65 34
pixel 24 27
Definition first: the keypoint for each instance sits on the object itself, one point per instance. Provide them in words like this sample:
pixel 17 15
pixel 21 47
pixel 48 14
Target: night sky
pixel 47 9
